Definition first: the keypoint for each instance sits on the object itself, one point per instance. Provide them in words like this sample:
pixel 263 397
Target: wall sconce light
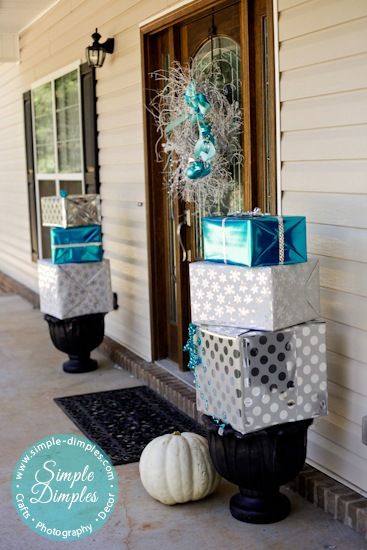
pixel 96 53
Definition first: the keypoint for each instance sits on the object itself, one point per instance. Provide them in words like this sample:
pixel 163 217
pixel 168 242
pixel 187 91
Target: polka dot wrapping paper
pixel 252 379
pixel 264 298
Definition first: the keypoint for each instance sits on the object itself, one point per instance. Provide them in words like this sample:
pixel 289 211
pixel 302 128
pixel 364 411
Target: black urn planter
pixel 77 337
pixel 259 463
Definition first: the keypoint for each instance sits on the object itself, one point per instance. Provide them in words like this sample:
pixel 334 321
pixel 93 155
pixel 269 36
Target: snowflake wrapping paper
pixel 71 211
pixel 264 298
pixel 70 290
pixel 254 380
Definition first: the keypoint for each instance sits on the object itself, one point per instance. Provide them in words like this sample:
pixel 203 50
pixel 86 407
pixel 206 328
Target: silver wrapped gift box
pixel 70 290
pixel 253 380
pixel 71 211
pixel 264 298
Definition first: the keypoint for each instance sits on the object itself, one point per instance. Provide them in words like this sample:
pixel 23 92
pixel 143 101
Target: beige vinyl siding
pixel 15 247
pixel 323 93
pixel 56 40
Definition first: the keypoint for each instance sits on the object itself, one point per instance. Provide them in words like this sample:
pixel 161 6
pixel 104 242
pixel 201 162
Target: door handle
pixel 184 253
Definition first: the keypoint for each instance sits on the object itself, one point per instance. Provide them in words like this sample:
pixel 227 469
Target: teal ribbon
pixel 196 101
pixel 63 193
pixel 204 150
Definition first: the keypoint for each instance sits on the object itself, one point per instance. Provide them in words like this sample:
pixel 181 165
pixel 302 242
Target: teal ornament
pixel 198 169
pixel 204 150
pixel 196 100
pixel 206 130
pixel 63 193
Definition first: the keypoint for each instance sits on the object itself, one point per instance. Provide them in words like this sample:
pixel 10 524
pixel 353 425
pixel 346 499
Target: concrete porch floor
pixel 31 376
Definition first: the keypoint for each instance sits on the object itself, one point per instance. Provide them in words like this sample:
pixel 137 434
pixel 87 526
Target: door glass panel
pixel 172 258
pixel 44 128
pixel 172 261
pixel 46 189
pixel 219 60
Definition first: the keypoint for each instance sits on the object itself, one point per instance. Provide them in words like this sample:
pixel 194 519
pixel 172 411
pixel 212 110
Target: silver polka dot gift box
pixel 252 379
pixel 71 210
pixel 70 290
pixel 264 298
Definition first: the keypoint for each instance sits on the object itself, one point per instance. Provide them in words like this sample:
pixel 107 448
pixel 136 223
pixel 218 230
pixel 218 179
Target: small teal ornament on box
pixel 76 244
pixel 255 239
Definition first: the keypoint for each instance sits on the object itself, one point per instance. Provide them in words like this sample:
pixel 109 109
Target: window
pixel 61 143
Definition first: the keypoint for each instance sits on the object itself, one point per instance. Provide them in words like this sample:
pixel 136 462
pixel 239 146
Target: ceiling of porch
pixel 14 16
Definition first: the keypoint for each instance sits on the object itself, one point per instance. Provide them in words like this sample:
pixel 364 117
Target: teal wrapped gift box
pixel 76 244
pixel 255 240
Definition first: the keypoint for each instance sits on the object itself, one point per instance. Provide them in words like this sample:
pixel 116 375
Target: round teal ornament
pixel 64 487
pixel 197 169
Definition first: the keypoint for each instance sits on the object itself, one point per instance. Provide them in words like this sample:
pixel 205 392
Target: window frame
pixel 56 176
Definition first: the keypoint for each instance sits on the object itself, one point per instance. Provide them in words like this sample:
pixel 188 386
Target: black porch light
pixel 96 53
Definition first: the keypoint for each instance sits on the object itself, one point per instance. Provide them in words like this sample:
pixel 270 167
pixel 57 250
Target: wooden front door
pixel 237 37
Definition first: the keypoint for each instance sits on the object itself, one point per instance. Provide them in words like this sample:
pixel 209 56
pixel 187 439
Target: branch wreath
pixel 199 132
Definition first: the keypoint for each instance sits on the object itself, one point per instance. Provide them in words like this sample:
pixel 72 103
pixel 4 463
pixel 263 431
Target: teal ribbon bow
pixel 196 101
pixel 204 150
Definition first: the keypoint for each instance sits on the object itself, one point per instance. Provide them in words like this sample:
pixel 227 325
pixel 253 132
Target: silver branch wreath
pixel 178 135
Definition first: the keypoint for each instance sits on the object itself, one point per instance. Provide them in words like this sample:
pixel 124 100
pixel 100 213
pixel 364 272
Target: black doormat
pixel 123 422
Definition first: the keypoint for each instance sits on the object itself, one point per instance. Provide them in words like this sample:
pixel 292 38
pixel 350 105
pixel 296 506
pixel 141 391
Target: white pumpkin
pixel 176 468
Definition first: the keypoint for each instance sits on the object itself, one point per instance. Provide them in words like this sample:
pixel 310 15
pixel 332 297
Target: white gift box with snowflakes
pixel 263 298
pixel 253 380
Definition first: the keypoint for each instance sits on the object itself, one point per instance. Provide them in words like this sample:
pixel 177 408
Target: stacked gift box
pixel 76 281
pixel 256 343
